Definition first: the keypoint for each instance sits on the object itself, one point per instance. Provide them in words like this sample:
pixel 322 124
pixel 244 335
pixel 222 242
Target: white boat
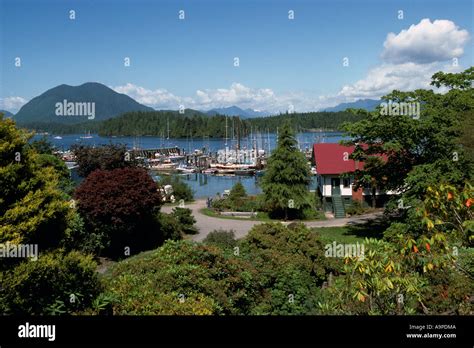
pixel 58 137
pixel 186 170
pixel 162 165
pixel 87 136
pixel 209 171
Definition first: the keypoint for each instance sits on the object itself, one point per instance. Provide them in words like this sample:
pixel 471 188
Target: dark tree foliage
pixel 47 285
pixel 121 205
pixel 32 207
pixel 196 124
pixel 185 219
pixel 420 152
pixel 237 192
pixel 182 126
pixel 286 180
pixel 106 157
pixel 222 238
pixel 181 190
pixel 42 146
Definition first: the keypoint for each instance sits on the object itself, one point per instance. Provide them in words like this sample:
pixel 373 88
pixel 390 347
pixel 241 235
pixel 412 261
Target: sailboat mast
pixel 238 133
pixel 226 131
pixel 268 141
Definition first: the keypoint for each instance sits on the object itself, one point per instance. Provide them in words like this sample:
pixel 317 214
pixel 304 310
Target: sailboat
pixel 87 136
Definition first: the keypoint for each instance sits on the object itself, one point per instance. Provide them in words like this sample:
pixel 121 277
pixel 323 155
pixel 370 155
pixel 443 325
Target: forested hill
pixel 196 124
pixel 309 121
pixel 105 101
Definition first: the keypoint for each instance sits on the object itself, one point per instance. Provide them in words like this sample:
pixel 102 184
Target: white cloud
pixel 154 98
pixel 385 78
pixel 426 42
pixel 410 59
pixel 12 104
pixel 237 94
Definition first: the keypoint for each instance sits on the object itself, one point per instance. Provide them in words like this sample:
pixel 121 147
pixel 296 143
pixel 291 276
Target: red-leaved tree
pixel 120 206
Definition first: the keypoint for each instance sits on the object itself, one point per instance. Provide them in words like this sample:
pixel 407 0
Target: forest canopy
pixel 197 124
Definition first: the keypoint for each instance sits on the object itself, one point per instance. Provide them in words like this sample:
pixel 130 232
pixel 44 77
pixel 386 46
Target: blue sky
pixel 190 62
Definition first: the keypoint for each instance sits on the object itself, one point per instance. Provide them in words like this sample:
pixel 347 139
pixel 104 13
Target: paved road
pixel 206 224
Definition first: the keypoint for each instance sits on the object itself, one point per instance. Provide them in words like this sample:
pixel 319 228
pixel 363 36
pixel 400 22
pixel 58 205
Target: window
pixel 346 182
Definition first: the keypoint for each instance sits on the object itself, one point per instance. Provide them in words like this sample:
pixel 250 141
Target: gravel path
pixel 206 224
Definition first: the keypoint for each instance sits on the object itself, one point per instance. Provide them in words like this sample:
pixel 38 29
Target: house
pixel 335 182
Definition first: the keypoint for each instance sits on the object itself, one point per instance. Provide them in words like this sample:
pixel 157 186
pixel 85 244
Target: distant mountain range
pixel 77 104
pixel 6 113
pixel 66 104
pixel 367 104
pixel 236 111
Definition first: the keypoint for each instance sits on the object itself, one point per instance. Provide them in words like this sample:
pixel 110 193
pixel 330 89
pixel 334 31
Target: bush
pixel 291 265
pixel 121 206
pixel 221 238
pixel 105 157
pixel 77 237
pixel 205 280
pixel 186 220
pixel 33 210
pixel 274 262
pixel 180 189
pixel 54 284
pixel 238 204
pixel 237 192
pixel 448 293
pixel 355 208
pixel 170 228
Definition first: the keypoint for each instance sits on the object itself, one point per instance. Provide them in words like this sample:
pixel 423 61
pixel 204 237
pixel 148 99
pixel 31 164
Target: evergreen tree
pixel 237 192
pixel 285 183
pixel 32 207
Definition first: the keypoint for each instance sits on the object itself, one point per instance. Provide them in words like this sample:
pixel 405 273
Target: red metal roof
pixel 330 159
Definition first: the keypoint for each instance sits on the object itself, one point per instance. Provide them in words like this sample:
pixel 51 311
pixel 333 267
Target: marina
pixel 207 165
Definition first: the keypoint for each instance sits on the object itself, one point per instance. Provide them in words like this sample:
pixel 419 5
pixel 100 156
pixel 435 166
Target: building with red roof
pixel 333 167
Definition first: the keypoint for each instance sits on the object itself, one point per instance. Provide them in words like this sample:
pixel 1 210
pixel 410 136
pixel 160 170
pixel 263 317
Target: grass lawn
pixel 352 234
pixel 338 234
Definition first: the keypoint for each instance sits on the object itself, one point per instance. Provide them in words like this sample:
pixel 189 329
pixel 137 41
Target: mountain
pixel 236 111
pixel 6 113
pixel 367 104
pixel 89 101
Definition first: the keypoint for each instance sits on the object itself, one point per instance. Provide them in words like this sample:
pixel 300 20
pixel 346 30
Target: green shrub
pixel 278 270
pixel 185 219
pixel 78 238
pixel 237 191
pixel 180 189
pixel 221 238
pixel 291 265
pixel 153 282
pixel 355 208
pixel 466 260
pixel 448 293
pixel 169 227
pixel 246 204
pixel 54 284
